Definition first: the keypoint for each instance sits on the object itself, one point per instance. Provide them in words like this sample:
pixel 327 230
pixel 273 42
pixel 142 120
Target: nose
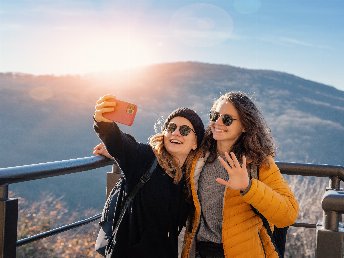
pixel 219 120
pixel 176 132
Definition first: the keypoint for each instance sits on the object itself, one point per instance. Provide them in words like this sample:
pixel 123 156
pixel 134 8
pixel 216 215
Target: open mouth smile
pixel 218 130
pixel 174 141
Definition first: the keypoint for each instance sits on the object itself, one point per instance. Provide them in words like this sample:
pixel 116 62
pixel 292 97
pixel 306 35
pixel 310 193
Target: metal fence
pixel 329 233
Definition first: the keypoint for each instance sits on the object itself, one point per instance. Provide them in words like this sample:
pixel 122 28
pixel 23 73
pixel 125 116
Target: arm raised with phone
pixel 108 112
pixel 159 210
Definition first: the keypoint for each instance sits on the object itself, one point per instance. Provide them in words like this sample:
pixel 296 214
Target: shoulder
pixel 268 168
pixel 268 164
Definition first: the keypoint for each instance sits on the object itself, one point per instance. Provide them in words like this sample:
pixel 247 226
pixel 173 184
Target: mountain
pixel 48 118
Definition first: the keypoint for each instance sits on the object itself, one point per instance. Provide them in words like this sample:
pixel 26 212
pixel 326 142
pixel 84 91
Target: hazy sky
pixel 301 37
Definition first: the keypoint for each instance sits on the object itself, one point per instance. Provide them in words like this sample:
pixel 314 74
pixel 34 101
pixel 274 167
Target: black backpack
pixel 114 209
pixel 279 236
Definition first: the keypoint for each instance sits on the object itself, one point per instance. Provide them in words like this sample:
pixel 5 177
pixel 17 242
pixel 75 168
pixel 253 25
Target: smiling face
pixel 223 134
pixel 177 145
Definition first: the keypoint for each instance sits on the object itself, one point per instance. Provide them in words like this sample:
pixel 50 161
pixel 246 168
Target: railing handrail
pixel 309 169
pixel 25 173
pixel 57 168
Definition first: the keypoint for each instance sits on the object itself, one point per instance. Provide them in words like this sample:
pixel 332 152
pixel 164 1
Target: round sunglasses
pixel 227 120
pixel 184 130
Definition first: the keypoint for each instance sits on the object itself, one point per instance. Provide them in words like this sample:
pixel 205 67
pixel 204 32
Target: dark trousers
pixel 209 250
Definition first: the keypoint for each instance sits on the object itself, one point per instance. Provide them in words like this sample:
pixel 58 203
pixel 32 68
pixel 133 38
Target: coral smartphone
pixel 124 113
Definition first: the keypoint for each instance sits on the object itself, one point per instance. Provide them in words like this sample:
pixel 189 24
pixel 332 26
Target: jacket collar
pixel 198 169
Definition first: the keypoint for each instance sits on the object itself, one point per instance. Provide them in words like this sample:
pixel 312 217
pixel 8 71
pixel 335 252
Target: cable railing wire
pixel 56 231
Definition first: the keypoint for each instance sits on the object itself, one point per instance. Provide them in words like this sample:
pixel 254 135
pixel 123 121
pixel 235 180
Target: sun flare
pixel 123 54
pixel 116 54
pixel 79 52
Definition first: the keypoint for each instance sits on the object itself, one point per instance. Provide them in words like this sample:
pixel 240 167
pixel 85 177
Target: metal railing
pixel 9 207
pixel 330 233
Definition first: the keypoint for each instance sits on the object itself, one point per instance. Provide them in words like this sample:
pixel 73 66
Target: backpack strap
pixel 144 179
pixel 254 173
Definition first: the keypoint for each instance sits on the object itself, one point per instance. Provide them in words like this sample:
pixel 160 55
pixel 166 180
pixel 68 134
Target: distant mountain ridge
pixel 47 118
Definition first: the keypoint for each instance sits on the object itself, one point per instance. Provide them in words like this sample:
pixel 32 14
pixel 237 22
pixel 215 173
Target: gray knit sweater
pixel 210 194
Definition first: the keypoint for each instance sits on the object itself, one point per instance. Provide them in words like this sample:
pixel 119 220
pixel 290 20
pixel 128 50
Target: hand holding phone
pixel 108 109
pixel 124 112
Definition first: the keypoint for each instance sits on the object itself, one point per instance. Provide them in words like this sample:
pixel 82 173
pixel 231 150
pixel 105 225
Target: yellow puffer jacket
pixel 243 233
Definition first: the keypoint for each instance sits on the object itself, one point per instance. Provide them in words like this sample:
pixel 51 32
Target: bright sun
pixel 117 54
pixel 96 52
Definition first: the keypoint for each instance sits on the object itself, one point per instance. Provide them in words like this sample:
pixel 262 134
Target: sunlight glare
pixel 119 54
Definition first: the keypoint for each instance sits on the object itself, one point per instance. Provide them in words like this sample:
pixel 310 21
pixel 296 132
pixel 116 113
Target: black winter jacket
pixel 159 210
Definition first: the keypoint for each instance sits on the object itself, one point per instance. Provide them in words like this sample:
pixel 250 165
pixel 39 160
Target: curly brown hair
pixel 166 160
pixel 256 143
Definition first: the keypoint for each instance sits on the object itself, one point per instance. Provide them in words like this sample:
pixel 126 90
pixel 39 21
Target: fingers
pixel 244 161
pixel 224 164
pixel 105 97
pixel 98 116
pixel 104 104
pixel 229 159
pixel 97 150
pixel 100 149
pixel 222 181
pixel 238 177
pixel 235 160
pixel 98 146
pixel 104 110
pixel 105 107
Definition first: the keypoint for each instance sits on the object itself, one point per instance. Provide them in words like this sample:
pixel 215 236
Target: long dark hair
pixel 256 143
pixel 170 166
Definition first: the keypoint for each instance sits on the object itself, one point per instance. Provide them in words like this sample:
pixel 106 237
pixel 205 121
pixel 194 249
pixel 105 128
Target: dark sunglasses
pixel 226 119
pixel 184 130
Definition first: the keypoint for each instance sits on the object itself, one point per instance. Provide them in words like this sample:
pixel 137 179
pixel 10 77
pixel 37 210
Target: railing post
pixel 112 177
pixel 8 224
pixel 330 235
pixel 334 183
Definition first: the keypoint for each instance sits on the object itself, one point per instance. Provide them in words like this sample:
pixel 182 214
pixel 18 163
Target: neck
pixel 223 146
pixel 180 159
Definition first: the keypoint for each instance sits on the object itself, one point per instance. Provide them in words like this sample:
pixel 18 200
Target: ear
pixel 194 147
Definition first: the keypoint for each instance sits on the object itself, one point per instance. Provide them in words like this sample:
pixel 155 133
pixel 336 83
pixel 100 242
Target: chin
pixel 172 149
pixel 217 136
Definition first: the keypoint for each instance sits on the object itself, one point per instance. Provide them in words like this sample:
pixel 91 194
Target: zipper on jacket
pixel 197 200
pixel 223 208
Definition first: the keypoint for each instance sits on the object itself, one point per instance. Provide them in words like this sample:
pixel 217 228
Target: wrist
pixel 245 190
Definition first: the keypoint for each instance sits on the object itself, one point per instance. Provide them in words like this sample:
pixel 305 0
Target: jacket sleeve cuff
pixel 243 192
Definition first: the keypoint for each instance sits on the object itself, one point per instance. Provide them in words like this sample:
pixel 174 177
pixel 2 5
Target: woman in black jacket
pixel 151 225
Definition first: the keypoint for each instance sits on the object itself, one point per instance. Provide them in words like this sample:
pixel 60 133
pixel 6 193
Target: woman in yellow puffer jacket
pixel 224 224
